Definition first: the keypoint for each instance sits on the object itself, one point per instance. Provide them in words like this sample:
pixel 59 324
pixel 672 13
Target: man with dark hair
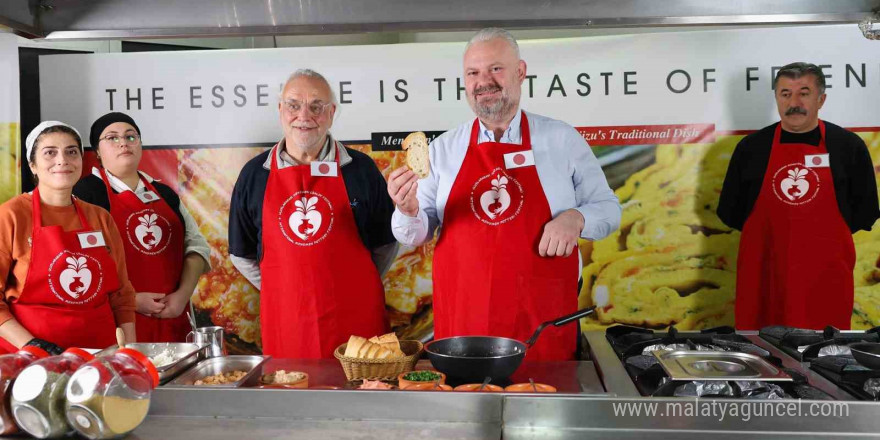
pixel 798 189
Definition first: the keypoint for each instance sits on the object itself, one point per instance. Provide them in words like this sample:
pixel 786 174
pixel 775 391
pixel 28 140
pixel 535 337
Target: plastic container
pixel 10 367
pixel 110 396
pixel 38 393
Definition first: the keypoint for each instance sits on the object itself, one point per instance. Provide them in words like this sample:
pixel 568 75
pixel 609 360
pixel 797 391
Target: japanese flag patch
pixel 324 169
pixel 816 160
pixel 148 196
pixel 91 239
pixel 519 159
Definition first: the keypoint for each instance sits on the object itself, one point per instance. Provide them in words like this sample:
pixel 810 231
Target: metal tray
pixel 717 365
pixel 226 364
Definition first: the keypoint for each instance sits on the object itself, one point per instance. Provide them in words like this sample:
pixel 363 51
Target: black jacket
pixel 851 169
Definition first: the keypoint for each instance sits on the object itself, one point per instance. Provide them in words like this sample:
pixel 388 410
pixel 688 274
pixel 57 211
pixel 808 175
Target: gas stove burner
pixel 634 347
pixel 828 353
pixel 806 345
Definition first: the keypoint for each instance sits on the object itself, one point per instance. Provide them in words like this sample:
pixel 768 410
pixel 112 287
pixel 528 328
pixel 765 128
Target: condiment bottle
pixel 10 367
pixel 110 396
pixel 38 393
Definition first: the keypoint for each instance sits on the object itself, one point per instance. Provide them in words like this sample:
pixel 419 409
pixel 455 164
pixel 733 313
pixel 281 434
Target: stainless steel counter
pixel 586 409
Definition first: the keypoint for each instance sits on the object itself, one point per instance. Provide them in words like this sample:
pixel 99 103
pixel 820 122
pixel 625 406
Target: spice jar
pixel 38 393
pixel 110 396
pixel 10 367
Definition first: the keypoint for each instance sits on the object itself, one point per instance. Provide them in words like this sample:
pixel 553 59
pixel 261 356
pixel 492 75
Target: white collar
pixel 119 186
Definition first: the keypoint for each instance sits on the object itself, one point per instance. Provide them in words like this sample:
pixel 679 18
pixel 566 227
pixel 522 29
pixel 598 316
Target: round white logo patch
pixel 306 218
pixel 148 232
pixel 75 278
pixel 796 184
pixel 496 198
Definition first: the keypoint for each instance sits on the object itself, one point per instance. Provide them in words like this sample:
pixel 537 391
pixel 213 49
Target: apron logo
pixel 795 185
pixel 146 231
pixel 75 278
pixel 307 220
pixel 496 198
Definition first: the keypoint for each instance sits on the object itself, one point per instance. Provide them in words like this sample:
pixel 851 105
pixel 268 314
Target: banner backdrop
pixel 10 142
pixel 662 112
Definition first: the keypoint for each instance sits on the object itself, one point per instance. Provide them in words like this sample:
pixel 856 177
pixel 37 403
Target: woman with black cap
pixel 164 249
pixel 62 267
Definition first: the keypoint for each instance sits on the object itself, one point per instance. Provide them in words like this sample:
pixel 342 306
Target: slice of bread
pixel 372 351
pixel 355 344
pixel 378 347
pixel 383 353
pixel 388 337
pixel 416 146
pixel 394 348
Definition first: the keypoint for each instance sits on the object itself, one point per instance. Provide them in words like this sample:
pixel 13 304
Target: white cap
pixel 39 129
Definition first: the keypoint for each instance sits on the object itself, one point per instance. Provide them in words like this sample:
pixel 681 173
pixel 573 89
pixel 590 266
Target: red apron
pixel 488 277
pixel 65 295
pixel 319 283
pixel 796 254
pixel 153 238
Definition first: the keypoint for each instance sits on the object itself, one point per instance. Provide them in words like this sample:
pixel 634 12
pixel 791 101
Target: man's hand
pixel 148 303
pixel 402 187
pixel 561 234
pixel 175 304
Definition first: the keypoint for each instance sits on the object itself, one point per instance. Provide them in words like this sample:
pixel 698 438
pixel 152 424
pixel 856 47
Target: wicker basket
pixel 379 369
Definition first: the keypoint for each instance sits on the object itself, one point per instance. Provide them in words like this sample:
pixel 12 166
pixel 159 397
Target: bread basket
pixel 379 369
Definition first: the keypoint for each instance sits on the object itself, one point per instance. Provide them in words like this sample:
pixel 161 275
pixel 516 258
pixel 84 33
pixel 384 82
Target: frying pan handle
pixel 574 316
pixel 559 321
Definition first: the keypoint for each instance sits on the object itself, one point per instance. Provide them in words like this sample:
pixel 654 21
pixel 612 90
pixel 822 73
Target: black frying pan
pixel 473 358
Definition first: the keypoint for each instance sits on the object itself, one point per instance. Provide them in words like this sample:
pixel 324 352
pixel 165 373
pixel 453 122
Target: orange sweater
pixel 16 226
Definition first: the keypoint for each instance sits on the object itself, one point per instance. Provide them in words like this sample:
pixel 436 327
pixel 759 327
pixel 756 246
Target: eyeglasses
pixel 315 108
pixel 117 140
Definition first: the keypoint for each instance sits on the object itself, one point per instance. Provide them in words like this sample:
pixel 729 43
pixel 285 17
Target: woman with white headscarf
pixel 62 265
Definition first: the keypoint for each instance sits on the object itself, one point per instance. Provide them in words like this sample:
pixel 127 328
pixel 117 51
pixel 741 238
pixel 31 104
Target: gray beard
pixel 494 112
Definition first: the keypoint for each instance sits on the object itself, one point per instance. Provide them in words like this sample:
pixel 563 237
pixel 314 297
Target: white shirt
pixel 193 240
pixel 569 173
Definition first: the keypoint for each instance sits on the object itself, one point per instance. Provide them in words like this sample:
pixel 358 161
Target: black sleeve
pixel 863 187
pixel 244 223
pixel 731 205
pixel 91 189
pixel 381 210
